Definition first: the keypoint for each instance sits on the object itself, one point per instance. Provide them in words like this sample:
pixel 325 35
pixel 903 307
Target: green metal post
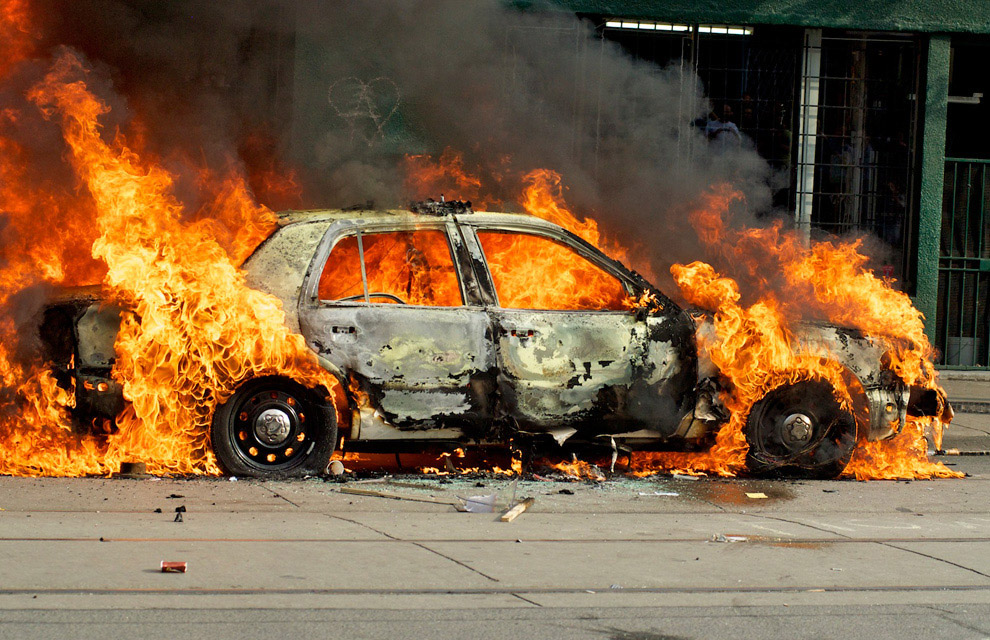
pixel 932 177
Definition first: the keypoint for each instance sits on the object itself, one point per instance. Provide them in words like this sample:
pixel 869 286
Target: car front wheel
pixel 273 427
pixel 800 430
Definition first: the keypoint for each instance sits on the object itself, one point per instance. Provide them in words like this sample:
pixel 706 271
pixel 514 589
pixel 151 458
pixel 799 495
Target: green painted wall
pixel 955 16
pixel 932 179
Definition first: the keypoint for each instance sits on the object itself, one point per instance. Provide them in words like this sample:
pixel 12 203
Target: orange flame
pixel 17 34
pixel 186 342
pixel 755 348
pixel 447 176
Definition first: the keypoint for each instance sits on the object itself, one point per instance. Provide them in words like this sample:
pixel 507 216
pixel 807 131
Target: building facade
pixel 873 114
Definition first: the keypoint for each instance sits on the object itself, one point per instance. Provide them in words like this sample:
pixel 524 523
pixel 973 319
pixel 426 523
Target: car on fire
pixel 444 325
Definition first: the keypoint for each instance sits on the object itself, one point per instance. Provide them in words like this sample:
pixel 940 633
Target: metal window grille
pixel 859 142
pixel 964 265
pixel 752 70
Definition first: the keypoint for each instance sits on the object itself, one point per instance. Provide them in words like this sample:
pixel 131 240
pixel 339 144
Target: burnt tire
pixel 273 427
pixel 800 430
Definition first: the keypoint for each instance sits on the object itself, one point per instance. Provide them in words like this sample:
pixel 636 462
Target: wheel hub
pixel 797 428
pixel 272 427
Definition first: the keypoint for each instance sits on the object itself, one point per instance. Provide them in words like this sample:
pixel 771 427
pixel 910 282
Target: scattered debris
pixel 371 480
pixel 173 566
pixel 178 517
pixel 480 504
pixel 660 493
pixel 175 495
pixel 395 496
pixel 158 510
pixel 566 492
pixel 756 496
pixel 411 485
pixel 178 513
pixel 718 537
pixel 514 512
pixel 233 478
pixel 335 468
pixel 682 476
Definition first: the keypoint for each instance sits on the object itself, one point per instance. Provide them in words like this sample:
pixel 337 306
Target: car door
pixel 572 349
pixel 388 307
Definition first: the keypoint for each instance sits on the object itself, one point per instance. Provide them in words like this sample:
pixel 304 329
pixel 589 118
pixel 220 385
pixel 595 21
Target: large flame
pixel 193 329
pixel 755 345
pixel 449 176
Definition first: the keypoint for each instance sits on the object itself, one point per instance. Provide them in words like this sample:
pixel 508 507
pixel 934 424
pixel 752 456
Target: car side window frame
pixel 346 229
pixel 589 253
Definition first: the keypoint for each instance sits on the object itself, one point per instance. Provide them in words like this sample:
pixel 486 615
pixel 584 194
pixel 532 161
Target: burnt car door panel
pixel 389 311
pixel 572 349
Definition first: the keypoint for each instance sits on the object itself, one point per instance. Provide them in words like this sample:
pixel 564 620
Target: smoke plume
pixel 336 94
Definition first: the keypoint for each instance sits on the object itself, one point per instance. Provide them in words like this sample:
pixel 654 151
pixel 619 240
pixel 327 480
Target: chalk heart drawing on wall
pixel 366 106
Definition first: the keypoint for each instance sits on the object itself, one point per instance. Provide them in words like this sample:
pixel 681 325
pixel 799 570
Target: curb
pixel 970 406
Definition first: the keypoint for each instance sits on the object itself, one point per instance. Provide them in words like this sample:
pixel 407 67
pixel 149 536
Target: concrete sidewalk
pixel 969 391
pixel 655 558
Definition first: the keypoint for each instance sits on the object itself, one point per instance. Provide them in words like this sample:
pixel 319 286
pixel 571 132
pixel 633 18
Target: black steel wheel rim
pixel 789 425
pixel 269 429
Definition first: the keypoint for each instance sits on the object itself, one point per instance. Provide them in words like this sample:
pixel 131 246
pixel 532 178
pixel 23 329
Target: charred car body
pixel 440 325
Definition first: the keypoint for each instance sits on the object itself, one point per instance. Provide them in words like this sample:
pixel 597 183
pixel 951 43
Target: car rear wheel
pixel 800 430
pixel 273 427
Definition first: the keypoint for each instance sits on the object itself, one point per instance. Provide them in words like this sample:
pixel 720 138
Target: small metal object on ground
pixel 335 468
pixel 756 496
pixel 514 512
pixel 173 566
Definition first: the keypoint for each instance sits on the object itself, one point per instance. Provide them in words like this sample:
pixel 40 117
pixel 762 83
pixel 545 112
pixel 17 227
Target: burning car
pixel 439 325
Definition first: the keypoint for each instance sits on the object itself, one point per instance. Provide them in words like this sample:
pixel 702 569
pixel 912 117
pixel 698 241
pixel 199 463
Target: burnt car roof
pixel 318 215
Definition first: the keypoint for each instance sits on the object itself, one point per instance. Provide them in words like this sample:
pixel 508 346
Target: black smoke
pixel 342 91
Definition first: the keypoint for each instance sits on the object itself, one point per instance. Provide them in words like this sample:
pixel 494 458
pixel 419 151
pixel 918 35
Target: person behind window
pixel 722 132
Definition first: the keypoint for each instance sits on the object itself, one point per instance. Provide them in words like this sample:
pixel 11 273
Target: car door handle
pixel 343 329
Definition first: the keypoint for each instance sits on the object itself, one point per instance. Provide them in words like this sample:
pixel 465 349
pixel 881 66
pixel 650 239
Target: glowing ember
pixel 578 469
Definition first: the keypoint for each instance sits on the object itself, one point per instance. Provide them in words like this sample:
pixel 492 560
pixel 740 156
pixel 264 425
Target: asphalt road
pixel 625 559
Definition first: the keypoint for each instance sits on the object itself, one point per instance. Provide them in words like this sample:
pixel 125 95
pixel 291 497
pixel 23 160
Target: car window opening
pixel 397 267
pixel 533 272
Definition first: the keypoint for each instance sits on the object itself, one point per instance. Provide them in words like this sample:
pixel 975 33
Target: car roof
pixel 483 218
